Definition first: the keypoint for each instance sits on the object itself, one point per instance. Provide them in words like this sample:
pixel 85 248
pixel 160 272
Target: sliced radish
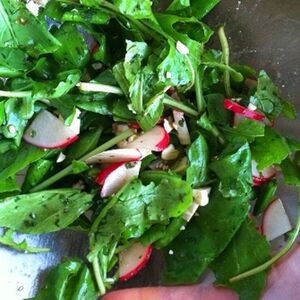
pixel 181 127
pixel 115 176
pixel 76 122
pixel 156 139
pixel 259 177
pixel 118 155
pixel 47 131
pixel 132 260
pixel 201 198
pixel 168 125
pixel 275 221
pixel 170 153
pixel 246 112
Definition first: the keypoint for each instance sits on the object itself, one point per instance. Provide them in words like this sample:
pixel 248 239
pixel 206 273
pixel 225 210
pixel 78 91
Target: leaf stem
pixel 98 87
pixel 199 92
pixel 168 101
pixel 98 276
pixel 225 58
pixel 11 94
pixel 68 170
pixel 281 253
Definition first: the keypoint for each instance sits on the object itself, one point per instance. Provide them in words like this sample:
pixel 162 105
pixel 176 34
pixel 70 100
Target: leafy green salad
pixel 129 127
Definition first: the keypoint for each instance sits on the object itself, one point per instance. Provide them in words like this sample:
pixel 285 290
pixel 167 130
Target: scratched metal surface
pixel 263 33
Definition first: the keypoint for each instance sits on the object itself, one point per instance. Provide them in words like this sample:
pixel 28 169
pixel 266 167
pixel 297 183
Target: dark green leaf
pixel 247 250
pixel 204 238
pixel 70 280
pixel 291 172
pixel 9 185
pixel 270 149
pixel 198 156
pixel 234 171
pixel 79 166
pixel 43 212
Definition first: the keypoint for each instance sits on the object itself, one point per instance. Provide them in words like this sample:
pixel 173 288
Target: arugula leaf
pixel 267 99
pixel 265 195
pixel 198 155
pixel 69 280
pixel 14 161
pixel 9 185
pixel 79 166
pixel 246 250
pixel 205 237
pixel 291 172
pixel 36 173
pixel 7 239
pixel 43 212
pixel 270 149
pixel 234 171
pixel 20 29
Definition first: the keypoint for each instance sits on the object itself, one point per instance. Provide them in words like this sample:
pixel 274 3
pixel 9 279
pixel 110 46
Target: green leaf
pixel 9 185
pixel 20 29
pixel 265 195
pixel 198 155
pixel 74 51
pixel 267 99
pixel 247 250
pixel 70 280
pixel 36 172
pixel 247 130
pixel 43 212
pixel 79 166
pixel 14 161
pixel 271 149
pixel 291 172
pixel 204 238
pixel 234 171
pixel 7 239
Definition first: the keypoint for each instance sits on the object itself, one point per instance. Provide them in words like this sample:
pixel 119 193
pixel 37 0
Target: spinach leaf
pixel 45 211
pixel 265 195
pixel 198 155
pixel 234 171
pixel 270 149
pixel 291 172
pixel 14 161
pixel 216 111
pixel 9 185
pixel 267 99
pixel 7 239
pixel 70 280
pixel 20 29
pixel 79 167
pixel 247 249
pixel 205 237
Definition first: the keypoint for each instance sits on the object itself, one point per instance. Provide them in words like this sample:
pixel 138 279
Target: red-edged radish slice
pixel 246 112
pixel 259 177
pixel 47 131
pixel 76 122
pixel 115 176
pixel 181 127
pixel 275 221
pixel 118 155
pixel 132 260
pixel 200 198
pixel 156 139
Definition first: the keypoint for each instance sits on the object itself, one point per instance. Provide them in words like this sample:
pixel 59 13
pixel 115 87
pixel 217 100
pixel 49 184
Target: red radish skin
pixel 114 177
pixel 246 112
pixel 48 132
pixel 131 261
pixel 275 221
pixel 156 139
pixel 260 177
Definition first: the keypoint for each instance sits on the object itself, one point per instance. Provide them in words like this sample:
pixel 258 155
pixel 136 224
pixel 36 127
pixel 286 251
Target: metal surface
pixel 262 33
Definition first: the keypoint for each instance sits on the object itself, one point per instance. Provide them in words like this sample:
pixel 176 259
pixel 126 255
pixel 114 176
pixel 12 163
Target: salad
pixel 132 129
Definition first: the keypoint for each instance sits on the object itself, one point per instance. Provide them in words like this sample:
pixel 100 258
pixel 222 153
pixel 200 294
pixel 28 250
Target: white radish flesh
pixel 132 260
pixel 47 131
pixel 265 175
pixel 156 139
pixel 170 153
pixel 119 177
pixel 181 127
pixel 275 221
pixel 76 122
pixel 118 155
